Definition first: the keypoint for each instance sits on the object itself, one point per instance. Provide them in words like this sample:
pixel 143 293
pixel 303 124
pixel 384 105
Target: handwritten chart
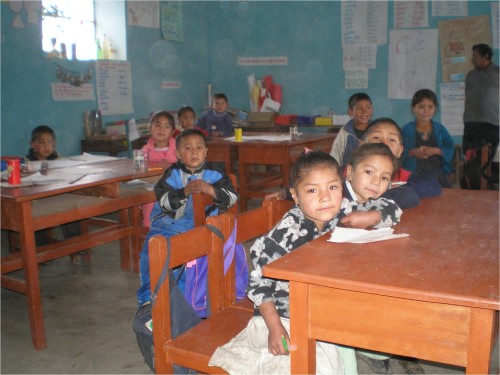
pixel 114 87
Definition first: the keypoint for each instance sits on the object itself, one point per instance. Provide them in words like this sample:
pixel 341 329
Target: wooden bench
pixel 194 348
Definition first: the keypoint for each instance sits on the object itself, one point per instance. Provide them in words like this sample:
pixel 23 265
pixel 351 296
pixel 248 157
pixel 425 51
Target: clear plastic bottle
pixel 105 47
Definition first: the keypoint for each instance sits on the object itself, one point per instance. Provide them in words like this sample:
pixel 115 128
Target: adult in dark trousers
pixel 480 116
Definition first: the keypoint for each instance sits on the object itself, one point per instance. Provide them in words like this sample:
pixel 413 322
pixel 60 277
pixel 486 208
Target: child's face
pixel 424 110
pixel 371 177
pixel 161 129
pixel 192 152
pixel 187 120
pixel 44 145
pixel 386 133
pixel 319 194
pixel 361 113
pixel 220 105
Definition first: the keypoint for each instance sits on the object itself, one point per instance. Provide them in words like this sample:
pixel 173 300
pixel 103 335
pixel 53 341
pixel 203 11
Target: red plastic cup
pixel 14 167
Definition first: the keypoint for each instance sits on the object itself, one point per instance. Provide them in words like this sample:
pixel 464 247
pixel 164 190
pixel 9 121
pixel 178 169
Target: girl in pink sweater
pixel 160 147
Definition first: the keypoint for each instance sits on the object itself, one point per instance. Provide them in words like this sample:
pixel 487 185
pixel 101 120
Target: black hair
pixel 166 114
pixel 484 50
pixel 309 160
pixel 220 95
pixel 424 94
pixel 188 132
pixel 42 129
pixel 382 120
pixel 355 98
pixel 366 150
pixel 185 108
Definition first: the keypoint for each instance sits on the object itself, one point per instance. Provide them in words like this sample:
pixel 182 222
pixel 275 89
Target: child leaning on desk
pixel 43 147
pixel 160 147
pixel 217 121
pixel 173 211
pixel 316 186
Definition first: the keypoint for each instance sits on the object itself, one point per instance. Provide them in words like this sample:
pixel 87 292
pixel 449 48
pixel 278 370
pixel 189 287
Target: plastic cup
pixel 139 159
pixel 238 134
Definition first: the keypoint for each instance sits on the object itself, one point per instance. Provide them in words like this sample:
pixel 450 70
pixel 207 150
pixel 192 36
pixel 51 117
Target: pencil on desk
pixel 77 179
pixel 154 169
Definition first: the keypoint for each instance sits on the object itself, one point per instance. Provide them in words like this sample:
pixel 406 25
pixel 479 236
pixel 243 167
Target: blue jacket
pixel 444 142
pixel 345 143
pixel 173 211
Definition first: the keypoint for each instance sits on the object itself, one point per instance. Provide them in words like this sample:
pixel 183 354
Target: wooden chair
pixel 194 348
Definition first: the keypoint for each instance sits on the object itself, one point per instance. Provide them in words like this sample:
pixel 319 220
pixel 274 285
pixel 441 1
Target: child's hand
pixel 217 133
pixel 361 219
pixel 275 343
pixel 199 186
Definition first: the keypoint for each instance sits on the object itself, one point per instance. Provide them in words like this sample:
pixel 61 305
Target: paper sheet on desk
pixel 72 161
pixel 354 235
pixel 271 138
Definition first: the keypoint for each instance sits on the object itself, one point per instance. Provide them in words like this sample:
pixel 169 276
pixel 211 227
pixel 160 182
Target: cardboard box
pixel 261 119
pixel 323 121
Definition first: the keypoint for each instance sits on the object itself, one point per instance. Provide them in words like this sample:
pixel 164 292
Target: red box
pixel 285 119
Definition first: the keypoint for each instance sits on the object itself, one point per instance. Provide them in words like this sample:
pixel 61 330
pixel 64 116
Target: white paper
pixel 144 13
pixel 271 138
pixel 73 161
pixel 114 87
pixel 412 62
pixel 454 8
pixel 133 134
pixel 356 78
pixel 364 22
pixel 452 106
pixel 357 55
pixel 410 14
pixel 354 235
pixel 66 92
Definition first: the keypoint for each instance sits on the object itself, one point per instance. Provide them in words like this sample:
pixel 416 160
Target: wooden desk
pixel 256 152
pixel 433 295
pixel 28 209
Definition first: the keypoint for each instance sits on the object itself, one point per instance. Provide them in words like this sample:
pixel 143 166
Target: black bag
pixel 182 317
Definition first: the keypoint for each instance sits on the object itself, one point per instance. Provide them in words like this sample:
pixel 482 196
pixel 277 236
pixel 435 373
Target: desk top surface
pixel 451 255
pixel 120 170
pixel 302 139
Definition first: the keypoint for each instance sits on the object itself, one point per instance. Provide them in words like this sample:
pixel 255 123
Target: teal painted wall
pixel 215 34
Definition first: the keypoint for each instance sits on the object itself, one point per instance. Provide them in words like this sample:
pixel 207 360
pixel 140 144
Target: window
pixel 68 28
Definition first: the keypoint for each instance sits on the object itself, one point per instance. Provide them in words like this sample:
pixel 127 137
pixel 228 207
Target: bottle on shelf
pixel 99 49
pixel 105 47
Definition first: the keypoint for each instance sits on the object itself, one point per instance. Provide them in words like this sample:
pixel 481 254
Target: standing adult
pixel 480 114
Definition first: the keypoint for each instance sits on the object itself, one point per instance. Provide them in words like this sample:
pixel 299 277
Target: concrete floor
pixel 88 310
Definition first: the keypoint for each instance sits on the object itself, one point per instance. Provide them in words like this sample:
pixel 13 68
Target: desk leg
pixel 30 266
pixel 124 242
pixel 481 341
pixel 303 358
pixel 243 183
pixel 137 239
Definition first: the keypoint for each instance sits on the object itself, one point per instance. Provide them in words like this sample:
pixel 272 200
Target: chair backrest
pixel 186 247
pixel 201 200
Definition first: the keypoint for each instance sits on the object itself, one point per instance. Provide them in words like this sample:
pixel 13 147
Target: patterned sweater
pixel 293 231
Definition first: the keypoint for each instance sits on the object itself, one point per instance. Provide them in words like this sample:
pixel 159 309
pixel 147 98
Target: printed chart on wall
pixel 456 38
pixel 114 87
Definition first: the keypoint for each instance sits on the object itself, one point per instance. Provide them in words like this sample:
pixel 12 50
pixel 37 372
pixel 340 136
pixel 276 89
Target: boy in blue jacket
pixel 173 210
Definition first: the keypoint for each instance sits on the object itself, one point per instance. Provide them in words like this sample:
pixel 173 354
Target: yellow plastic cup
pixel 238 134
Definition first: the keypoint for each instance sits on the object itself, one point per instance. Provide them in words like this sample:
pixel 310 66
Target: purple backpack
pixel 196 275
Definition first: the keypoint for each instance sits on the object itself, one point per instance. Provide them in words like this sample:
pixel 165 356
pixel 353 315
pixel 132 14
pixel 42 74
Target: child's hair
pixel 220 95
pixel 309 160
pixel 381 120
pixel 184 109
pixel 186 133
pixel 484 50
pixel 355 98
pixel 424 94
pixel 166 114
pixel 42 129
pixel 366 150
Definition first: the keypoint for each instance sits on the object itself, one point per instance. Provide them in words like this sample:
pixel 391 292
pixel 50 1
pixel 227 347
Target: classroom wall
pixel 215 34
